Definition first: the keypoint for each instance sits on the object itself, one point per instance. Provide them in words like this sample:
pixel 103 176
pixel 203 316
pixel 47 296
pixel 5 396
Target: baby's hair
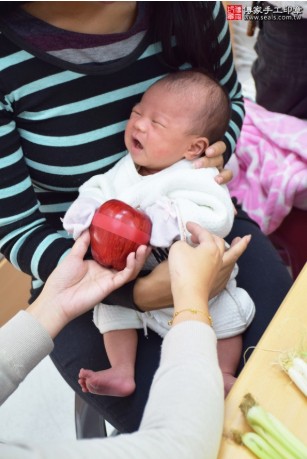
pixel 213 113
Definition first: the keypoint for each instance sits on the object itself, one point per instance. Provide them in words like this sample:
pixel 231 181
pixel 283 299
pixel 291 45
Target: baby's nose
pixel 140 124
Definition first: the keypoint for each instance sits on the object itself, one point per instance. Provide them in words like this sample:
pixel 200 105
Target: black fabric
pixel 280 70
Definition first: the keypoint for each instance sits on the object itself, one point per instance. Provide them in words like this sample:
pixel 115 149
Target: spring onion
pixel 258 446
pixel 296 368
pixel 277 441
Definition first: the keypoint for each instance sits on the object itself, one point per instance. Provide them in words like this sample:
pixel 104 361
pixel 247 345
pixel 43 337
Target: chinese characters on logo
pixel 234 12
pixel 264 13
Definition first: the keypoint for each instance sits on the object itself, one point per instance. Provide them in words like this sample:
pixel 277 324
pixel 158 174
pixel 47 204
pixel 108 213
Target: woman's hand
pixel 76 285
pixel 214 158
pixel 230 257
pixel 154 291
pixel 193 269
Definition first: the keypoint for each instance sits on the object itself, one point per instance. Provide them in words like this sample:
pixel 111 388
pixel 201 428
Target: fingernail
pixel 219 180
pixel 197 164
pixel 210 151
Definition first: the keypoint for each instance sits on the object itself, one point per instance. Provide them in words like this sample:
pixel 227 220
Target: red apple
pixel 118 229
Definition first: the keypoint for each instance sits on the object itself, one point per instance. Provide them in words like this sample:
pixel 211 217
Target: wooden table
pixel 14 291
pixel 264 379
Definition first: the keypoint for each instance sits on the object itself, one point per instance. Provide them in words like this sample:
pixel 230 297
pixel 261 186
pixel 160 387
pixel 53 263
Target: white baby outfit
pixel 178 194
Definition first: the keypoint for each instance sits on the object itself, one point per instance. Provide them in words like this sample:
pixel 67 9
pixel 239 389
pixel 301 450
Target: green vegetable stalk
pixel 258 446
pixel 275 440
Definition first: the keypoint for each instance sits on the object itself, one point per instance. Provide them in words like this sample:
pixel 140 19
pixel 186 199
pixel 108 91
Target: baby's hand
pixel 80 215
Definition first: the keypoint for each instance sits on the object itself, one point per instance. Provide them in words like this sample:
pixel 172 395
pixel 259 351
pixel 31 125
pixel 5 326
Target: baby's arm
pixel 202 200
pixel 91 195
pixel 165 226
pixel 79 215
pixel 189 195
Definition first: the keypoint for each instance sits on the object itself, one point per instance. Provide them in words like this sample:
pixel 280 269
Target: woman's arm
pixel 219 153
pixel 26 239
pixel 187 391
pixel 73 288
pixel 186 396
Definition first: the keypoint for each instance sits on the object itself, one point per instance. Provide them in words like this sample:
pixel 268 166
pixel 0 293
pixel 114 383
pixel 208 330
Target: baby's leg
pixel 229 354
pixel 118 380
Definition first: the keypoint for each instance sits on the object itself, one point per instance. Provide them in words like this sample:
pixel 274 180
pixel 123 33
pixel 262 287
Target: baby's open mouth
pixel 137 144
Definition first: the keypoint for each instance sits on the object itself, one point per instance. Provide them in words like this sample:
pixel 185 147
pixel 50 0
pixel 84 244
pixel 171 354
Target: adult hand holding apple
pixel 118 229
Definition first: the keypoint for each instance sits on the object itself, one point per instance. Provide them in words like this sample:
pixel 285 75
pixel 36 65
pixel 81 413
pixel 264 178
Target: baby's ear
pixel 197 148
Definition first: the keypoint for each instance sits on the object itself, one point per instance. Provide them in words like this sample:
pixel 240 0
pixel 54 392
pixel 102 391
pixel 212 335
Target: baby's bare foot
pixel 113 381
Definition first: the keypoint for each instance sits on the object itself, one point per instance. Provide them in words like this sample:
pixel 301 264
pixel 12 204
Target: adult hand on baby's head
pixel 77 285
pixel 214 158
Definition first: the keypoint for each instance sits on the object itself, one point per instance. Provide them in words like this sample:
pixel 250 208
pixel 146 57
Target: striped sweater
pixel 61 123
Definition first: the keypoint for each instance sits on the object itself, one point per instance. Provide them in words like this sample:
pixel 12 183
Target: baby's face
pixel 157 132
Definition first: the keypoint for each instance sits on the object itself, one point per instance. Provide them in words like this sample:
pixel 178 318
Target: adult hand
pixel 214 158
pixel 230 257
pixel 193 269
pixel 154 291
pixel 76 285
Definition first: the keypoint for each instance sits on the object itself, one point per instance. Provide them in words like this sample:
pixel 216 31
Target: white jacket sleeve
pixel 184 414
pixel 93 193
pixel 194 192
pixel 109 185
pixel 79 216
pixel 165 226
pixel 200 199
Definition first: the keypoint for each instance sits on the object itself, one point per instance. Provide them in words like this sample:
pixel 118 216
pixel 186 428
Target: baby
pixel 173 124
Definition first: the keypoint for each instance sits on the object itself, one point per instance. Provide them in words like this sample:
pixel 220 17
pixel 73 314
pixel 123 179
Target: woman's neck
pixel 86 17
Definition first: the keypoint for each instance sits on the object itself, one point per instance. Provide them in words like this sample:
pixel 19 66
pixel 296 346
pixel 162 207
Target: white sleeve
pixel 165 226
pixel 79 216
pixel 109 185
pixel 183 417
pixel 195 193
pixel 98 187
pixel 95 192
pixel 202 200
pixel 23 344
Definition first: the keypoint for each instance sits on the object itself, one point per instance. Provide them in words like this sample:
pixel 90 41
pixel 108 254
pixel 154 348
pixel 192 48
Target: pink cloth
pixel 270 166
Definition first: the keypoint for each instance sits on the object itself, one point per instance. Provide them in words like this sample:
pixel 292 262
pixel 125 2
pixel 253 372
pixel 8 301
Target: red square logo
pixel 234 12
